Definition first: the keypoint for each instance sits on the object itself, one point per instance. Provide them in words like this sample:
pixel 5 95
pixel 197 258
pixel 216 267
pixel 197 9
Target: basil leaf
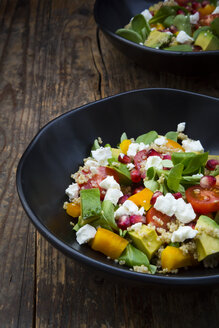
pixel 183 23
pixel 174 177
pixel 172 135
pixel 141 26
pixel 215 26
pixel 180 47
pixel 129 35
pixel 133 256
pixel 192 162
pixel 123 137
pixel 162 14
pixel 147 138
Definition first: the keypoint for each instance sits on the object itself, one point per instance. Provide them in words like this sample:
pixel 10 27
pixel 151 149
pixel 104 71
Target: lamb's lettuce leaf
pixel 193 163
pixel 172 135
pixel 174 177
pixel 147 138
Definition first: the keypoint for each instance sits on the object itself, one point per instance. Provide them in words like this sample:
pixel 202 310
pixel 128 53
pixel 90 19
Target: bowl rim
pixel 145 48
pixel 211 279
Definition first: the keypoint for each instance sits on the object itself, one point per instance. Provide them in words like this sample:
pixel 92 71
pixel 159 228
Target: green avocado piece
pixel 90 203
pixel 207 41
pixel 156 39
pixel 207 241
pixel 145 239
pixel 115 152
pixel 121 170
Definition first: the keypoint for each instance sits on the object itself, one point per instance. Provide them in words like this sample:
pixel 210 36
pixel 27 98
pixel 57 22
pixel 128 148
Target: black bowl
pixel 59 148
pixel 113 14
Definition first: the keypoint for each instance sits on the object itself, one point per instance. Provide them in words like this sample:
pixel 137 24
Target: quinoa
pixel 141 268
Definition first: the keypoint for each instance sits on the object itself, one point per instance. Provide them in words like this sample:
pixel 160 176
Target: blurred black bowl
pixel 113 14
pixel 59 148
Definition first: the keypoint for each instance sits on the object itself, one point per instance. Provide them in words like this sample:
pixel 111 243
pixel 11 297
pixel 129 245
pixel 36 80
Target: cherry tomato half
pixel 158 219
pixel 203 200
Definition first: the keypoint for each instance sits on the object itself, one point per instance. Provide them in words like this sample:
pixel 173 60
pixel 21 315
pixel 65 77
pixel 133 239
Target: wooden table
pixel 53 59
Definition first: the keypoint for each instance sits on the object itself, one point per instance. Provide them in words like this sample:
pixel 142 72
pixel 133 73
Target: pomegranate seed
pixel 153 152
pixel 154 197
pixel 211 164
pixel 193 11
pixel 123 222
pixel 177 195
pixel 166 156
pixel 173 29
pixel 123 199
pixel 137 189
pixel 135 176
pixel 124 159
pixel 137 218
pixel 195 5
pixel 180 12
pixel 207 181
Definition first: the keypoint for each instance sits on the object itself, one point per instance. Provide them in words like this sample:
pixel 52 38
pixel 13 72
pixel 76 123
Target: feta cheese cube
pixel 147 15
pixel 127 208
pixel 102 154
pixel 183 38
pixel 133 149
pixel 109 182
pixel 184 211
pixel 216 11
pixel 130 166
pixel 194 18
pixel 154 161
pixel 181 127
pixel 135 227
pixel 72 191
pixel 113 195
pixel 183 233
pixel 166 204
pixel 192 145
pixel 160 141
pixel 85 234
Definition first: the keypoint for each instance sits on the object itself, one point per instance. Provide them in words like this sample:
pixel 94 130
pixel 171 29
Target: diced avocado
pixel 121 170
pixel 180 47
pixel 207 241
pixel 90 203
pixel 207 41
pixel 156 39
pixel 146 239
pixel 115 152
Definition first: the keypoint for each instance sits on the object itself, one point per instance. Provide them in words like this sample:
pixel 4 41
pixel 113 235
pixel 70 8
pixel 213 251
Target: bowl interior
pixel 59 148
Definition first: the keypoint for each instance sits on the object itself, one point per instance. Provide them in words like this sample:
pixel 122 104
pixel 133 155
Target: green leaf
pixel 133 256
pixel 129 35
pixel 215 26
pixel 108 214
pixel 176 244
pixel 183 23
pixel 141 26
pixel 122 170
pixel 147 138
pixel 200 29
pixel 168 21
pixel 123 137
pixel 151 173
pixel 172 135
pixel 90 203
pixel 180 47
pixel 189 180
pixel 174 177
pixel 193 163
pixel 151 184
pixel 95 145
pixel 167 163
pixel 162 14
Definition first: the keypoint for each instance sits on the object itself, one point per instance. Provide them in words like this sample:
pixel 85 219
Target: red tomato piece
pixel 203 201
pixel 158 219
pixel 94 182
pixel 139 158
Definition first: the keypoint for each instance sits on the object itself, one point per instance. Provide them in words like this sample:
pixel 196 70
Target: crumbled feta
pixel 154 161
pixel 192 145
pixel 130 166
pixel 167 163
pixel 147 15
pixel 92 166
pixel 72 191
pixel 135 227
pixel 181 127
pixel 170 206
pixel 109 183
pixel 197 176
pixel 121 155
pixel 183 233
pixel 85 234
pixel 160 141
pixel 169 33
pixel 216 11
pixel 183 37
pixel 113 195
pixel 134 147
pixel 102 154
pixel 194 18
pixel 127 208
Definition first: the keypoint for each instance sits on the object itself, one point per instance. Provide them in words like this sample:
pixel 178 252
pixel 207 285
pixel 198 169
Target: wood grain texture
pixel 53 59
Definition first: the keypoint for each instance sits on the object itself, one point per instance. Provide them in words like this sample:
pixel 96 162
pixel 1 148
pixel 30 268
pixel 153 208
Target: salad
pixel 151 203
pixel 176 25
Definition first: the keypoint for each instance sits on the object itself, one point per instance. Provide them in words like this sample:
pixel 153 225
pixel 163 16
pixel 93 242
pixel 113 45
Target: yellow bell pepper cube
pixel 173 258
pixel 142 198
